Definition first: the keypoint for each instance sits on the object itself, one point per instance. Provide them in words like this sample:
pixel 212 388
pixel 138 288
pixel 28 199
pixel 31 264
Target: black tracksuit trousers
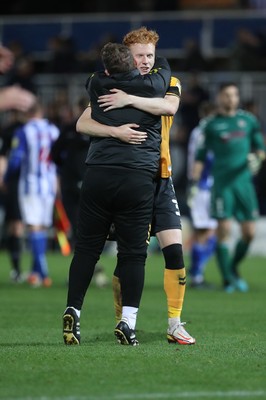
pixel 124 196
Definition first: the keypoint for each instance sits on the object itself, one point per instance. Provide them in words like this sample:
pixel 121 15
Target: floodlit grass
pixel 228 360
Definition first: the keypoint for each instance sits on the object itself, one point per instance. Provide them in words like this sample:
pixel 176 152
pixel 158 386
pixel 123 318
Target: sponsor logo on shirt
pixel 226 136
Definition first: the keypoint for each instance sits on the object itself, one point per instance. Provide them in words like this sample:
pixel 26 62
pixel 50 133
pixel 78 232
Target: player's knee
pixel 173 256
pixel 248 236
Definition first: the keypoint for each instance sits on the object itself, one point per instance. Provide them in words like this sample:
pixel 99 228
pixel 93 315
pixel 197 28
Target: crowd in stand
pixel 245 52
pixel 19 7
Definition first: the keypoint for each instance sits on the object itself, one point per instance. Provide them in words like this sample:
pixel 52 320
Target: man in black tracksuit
pixel 118 187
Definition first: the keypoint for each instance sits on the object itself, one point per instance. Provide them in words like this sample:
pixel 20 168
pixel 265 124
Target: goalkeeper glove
pixel 254 163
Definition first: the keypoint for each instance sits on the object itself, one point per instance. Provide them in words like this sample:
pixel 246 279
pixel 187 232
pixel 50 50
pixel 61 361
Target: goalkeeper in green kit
pixel 235 139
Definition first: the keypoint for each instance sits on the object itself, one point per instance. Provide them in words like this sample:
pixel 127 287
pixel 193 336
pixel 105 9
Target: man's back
pixel 112 151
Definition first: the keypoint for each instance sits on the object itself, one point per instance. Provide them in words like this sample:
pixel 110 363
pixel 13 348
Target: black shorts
pixel 166 214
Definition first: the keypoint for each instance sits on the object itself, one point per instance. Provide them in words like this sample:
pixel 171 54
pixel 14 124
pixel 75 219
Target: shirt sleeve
pixel 159 77
pixel 17 154
pixel 202 145
pixel 257 142
pixel 175 88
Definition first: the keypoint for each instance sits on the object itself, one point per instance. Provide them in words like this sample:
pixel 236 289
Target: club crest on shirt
pixel 241 123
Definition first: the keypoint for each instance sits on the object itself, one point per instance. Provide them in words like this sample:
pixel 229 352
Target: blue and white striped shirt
pixel 31 147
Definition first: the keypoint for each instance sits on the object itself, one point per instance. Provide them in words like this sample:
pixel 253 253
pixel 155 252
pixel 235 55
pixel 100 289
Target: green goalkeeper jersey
pixel 230 139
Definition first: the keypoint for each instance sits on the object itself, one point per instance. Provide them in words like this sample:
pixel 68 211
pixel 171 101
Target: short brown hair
pixel 225 85
pixel 117 58
pixel 141 35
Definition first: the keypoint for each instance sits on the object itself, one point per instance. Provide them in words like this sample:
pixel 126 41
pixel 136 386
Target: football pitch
pixel 228 360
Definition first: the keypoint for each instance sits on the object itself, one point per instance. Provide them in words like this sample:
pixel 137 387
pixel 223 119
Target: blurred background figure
pixel 6 59
pixel 12 97
pixel 193 61
pixel 30 155
pixel 69 152
pixel 13 222
pixel 235 139
pixel 248 51
pixel 63 55
pixel 22 74
pixel 186 119
pixel 203 242
pixel 90 60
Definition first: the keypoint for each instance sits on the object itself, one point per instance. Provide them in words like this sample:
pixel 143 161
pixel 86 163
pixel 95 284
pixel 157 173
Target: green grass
pixel 228 360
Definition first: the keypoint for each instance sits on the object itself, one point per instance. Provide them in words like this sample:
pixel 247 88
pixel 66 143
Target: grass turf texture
pixel 228 360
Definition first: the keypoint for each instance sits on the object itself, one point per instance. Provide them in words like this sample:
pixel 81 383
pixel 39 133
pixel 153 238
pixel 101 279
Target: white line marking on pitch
pixel 144 396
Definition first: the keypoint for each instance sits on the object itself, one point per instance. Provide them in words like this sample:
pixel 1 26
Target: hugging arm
pixel 126 133
pixel 167 105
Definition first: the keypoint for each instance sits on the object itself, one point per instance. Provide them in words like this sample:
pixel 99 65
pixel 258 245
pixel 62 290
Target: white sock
pixel 130 314
pixel 173 322
pixel 76 311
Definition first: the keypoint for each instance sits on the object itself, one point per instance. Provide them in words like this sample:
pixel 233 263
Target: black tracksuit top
pixel 113 152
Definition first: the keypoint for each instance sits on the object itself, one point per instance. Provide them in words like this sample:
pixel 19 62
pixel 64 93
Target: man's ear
pixel 106 72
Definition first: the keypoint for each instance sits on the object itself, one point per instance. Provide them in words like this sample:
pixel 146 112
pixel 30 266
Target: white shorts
pixel 200 211
pixel 37 210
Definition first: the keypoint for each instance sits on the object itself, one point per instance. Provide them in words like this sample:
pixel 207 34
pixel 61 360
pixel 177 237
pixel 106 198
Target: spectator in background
pixel 63 57
pixel 17 49
pixel 12 97
pixel 69 152
pixel 193 58
pixel 256 4
pixel 13 220
pixel 90 60
pixel 30 154
pixel 22 74
pixel 6 59
pixel 59 109
pixel 247 52
pixel 23 69
pixel 252 106
pixel 194 95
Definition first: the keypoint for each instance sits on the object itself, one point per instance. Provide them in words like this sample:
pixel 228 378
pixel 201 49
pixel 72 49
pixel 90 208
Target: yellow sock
pixel 117 297
pixel 174 287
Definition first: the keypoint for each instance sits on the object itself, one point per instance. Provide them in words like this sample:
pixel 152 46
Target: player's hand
pixel 191 192
pixel 254 163
pixel 16 98
pixel 127 133
pixel 117 99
